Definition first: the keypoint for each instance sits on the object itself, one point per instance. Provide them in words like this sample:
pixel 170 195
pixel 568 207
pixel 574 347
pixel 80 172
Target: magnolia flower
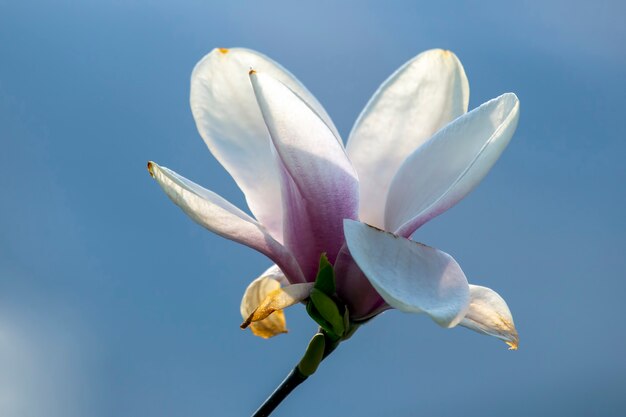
pixel 413 153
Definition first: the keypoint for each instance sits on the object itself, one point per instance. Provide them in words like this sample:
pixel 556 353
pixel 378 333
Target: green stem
pixel 290 383
pixel 293 379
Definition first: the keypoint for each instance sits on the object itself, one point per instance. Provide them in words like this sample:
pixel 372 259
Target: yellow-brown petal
pixel 277 300
pixel 255 293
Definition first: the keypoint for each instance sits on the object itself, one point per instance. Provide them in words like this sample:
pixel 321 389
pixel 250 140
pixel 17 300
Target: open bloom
pixel 413 153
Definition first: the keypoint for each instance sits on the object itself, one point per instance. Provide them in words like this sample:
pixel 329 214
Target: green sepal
pixel 313 355
pixel 346 320
pixel 353 328
pixel 325 280
pixel 329 311
pixel 317 317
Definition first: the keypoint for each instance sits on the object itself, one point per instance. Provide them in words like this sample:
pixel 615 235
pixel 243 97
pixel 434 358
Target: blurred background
pixel 114 303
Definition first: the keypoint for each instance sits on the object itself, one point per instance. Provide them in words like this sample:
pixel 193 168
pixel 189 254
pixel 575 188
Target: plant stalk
pixel 285 388
pixel 293 379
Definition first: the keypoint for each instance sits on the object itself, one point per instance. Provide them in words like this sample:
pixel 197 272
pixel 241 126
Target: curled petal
pixel 320 187
pixel 450 165
pixel 229 121
pixel 255 293
pixel 277 300
pixel 219 216
pixel 411 277
pixel 488 314
pixel 416 101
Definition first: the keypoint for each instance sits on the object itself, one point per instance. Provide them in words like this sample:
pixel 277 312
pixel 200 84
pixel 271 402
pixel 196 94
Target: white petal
pixel 229 121
pixel 416 101
pixel 489 314
pixel 408 275
pixel 274 273
pixel 255 293
pixel 326 183
pixel 447 167
pixel 219 216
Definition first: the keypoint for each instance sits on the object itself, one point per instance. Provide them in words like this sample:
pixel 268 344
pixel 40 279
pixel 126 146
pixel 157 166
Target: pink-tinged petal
pixel 219 216
pixel 450 165
pixel 411 277
pixel 320 187
pixel 416 101
pixel 229 121
pixel 488 314
pixel 354 289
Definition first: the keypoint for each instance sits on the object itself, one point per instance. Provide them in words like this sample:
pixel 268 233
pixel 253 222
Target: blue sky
pixel 113 303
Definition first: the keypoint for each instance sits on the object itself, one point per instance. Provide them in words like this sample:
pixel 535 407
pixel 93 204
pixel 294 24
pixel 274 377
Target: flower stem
pixel 290 383
pixel 293 379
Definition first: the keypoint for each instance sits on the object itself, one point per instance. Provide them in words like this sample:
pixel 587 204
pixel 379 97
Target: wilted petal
pixel 416 101
pixel 489 314
pixel 410 276
pixel 447 167
pixel 219 216
pixel 229 121
pixel 255 293
pixel 277 300
pixel 320 187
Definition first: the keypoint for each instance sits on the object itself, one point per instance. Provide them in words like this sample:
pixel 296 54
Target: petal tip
pixel 513 339
pixel 443 53
pixel 223 50
pixel 252 71
pixel 488 314
pixel 151 168
pixel 512 98
pixel 246 322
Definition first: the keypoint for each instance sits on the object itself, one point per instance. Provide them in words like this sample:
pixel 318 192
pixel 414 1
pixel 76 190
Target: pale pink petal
pixel 416 101
pixel 229 121
pixel 450 165
pixel 410 276
pixel 219 216
pixel 320 187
